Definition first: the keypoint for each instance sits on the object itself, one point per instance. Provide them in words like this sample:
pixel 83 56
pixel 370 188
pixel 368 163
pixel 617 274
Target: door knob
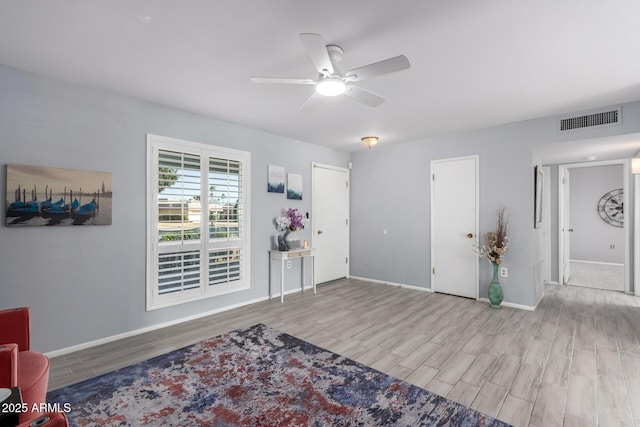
pixel 570 230
pixel 470 235
pixel 319 231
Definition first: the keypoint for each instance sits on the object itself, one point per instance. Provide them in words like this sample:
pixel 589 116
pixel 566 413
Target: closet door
pixel 330 222
pixel 454 226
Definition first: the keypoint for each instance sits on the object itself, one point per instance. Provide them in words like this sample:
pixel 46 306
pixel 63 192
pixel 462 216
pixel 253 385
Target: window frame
pixel 206 245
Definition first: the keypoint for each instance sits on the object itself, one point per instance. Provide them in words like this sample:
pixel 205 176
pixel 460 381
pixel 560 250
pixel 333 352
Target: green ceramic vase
pixel 495 290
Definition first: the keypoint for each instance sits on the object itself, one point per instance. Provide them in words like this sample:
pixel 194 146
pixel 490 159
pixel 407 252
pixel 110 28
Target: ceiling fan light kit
pixel 331 80
pixel 331 86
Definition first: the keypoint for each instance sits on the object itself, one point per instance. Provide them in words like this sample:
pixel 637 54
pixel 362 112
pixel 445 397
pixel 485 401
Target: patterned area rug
pixel 257 377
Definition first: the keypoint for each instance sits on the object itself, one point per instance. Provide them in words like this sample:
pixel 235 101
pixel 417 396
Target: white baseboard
pixel 105 340
pixel 399 285
pixel 597 262
pixel 512 305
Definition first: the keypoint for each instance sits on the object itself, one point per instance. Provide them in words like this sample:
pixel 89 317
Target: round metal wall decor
pixel 611 208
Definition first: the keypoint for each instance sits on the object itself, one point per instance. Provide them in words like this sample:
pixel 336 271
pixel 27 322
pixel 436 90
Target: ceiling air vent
pixel 601 118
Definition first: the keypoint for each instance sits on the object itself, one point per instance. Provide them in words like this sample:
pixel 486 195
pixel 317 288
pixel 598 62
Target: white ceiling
pixel 473 63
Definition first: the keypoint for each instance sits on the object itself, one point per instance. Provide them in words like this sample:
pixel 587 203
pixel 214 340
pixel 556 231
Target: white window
pixel 198 221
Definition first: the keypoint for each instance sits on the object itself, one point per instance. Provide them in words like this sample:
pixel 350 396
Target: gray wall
pixel 390 189
pixel 87 283
pixel 592 237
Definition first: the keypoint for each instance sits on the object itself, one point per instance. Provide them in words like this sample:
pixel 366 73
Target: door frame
pixel 562 245
pixel 546 224
pixel 636 234
pixel 315 165
pixel 476 264
pixel 626 227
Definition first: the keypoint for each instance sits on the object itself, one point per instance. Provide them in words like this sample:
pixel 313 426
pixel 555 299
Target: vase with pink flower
pixel 290 222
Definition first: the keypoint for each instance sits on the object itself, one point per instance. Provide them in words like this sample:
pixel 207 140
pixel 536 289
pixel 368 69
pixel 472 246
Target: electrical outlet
pixel 504 272
pixel 288 264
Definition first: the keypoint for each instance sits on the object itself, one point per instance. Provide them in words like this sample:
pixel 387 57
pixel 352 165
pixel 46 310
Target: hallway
pixel 597 276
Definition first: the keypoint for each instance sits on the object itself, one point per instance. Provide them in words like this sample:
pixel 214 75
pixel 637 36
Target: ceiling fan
pixel 331 81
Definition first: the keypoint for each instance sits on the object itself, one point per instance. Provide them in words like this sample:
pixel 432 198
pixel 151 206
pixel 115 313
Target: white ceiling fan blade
pixel 312 102
pixel 317 50
pixel 278 80
pixel 362 95
pixel 387 66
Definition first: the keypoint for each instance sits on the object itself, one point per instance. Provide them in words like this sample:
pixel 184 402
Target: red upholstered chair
pixel 18 365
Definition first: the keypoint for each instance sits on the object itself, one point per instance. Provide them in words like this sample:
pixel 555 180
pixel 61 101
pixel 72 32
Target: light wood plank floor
pixel 574 361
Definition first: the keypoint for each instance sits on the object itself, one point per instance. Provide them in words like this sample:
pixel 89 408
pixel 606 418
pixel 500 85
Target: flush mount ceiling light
pixel 331 86
pixel 369 141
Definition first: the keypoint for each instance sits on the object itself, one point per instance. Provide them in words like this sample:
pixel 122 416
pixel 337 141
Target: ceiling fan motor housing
pixel 335 53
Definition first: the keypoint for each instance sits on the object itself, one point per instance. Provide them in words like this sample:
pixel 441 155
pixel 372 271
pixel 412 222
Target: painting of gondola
pixel 37 195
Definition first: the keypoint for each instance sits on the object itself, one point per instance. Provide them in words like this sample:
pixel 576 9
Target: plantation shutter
pixel 226 220
pixel 179 189
pixel 199 221
pixel 225 187
pixel 179 222
pixel 178 271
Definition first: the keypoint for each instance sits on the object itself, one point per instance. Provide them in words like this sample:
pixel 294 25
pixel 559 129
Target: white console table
pixel 283 256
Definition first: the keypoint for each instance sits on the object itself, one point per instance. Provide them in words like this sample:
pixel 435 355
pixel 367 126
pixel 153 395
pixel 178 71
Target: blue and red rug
pixel 257 377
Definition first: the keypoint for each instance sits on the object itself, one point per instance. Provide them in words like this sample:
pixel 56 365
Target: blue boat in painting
pixel 61 212
pixel 48 204
pixel 23 209
pixel 49 211
pixel 84 212
pixel 20 204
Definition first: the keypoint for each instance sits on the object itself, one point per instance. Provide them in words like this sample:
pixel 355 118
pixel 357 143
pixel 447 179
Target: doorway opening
pixel 597 275
pixel 593 232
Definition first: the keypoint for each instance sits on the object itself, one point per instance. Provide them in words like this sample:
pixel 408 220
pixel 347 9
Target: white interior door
pixel 454 226
pixel 330 222
pixel 566 225
pixel 546 226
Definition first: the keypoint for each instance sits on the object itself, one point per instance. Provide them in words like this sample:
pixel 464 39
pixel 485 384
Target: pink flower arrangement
pixel 291 220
